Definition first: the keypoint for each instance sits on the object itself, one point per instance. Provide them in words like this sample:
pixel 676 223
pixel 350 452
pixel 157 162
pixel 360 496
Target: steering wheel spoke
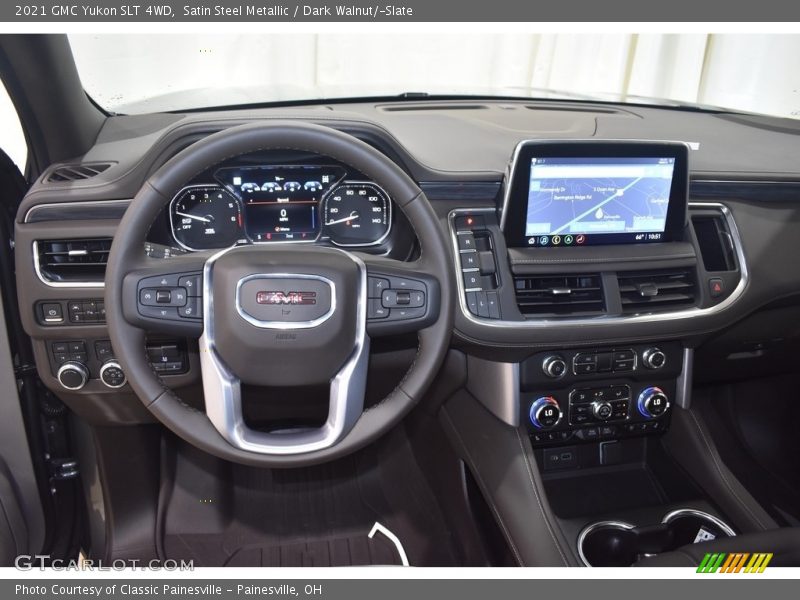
pixel 166 296
pixel 402 297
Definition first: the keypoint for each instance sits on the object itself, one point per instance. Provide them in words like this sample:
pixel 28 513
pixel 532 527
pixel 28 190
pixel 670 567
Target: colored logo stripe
pixel 734 562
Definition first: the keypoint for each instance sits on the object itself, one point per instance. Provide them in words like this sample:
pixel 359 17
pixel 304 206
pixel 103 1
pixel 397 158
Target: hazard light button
pixel 716 287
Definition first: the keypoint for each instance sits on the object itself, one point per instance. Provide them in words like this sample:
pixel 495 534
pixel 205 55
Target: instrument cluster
pixel 255 204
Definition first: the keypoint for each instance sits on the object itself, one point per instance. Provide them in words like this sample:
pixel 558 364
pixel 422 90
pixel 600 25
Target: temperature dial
pixel 545 413
pixel 652 402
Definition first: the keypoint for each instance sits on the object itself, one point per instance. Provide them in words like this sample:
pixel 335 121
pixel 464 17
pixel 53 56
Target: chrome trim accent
pixel 109 364
pixel 684 388
pixel 670 516
pixel 647 356
pixel 222 389
pixel 47 205
pixel 688 313
pixel 77 366
pixel 496 386
pixel 389 203
pixel 285 325
pixel 60 284
pixel 598 525
pixel 512 164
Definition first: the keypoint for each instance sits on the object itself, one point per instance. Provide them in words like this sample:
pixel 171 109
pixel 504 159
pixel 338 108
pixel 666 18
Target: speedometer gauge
pixel 357 214
pixel 205 217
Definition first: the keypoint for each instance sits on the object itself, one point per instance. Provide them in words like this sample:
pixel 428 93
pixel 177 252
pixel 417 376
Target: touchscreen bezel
pixel 515 204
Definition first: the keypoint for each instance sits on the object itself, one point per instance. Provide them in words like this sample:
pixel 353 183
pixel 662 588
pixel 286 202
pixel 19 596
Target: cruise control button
pixel 148 297
pixel 193 309
pixel 376 310
pixel 192 283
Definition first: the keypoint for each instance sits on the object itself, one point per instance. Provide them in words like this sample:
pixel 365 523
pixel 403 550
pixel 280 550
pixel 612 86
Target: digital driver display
pixel 577 201
pixel 281 203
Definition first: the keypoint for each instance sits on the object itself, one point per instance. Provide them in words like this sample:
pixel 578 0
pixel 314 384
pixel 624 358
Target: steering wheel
pixel 276 314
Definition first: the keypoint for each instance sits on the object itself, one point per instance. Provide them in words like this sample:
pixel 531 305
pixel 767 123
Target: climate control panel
pixel 623 392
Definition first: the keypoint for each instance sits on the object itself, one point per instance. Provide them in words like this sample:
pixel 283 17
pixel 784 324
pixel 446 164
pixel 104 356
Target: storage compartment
pixel 620 544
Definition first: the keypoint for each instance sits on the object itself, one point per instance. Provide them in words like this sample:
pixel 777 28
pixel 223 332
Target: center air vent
pixel 559 295
pixel 73 261
pixel 667 289
pixel 76 172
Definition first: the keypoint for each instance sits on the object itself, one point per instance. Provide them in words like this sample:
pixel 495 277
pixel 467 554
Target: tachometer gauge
pixel 205 217
pixel 357 214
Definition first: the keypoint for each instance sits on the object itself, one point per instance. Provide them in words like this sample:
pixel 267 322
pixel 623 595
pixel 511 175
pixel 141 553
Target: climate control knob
pixel 653 358
pixel 602 410
pixel 73 375
pixel 554 366
pixel 545 413
pixel 652 402
pixel 112 375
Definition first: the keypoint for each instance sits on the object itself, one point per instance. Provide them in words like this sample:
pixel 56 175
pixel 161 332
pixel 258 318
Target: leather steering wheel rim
pixel 128 340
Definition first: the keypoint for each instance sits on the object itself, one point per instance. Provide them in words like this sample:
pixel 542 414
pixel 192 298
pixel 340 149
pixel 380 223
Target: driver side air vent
pixel 73 261
pixel 77 172
pixel 667 289
pixel 559 295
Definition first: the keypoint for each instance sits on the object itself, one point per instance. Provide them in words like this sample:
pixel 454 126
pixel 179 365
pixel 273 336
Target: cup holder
pixel 620 544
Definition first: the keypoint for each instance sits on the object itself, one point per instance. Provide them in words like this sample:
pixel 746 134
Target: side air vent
pixel 73 261
pixel 76 172
pixel 715 241
pixel 668 289
pixel 559 295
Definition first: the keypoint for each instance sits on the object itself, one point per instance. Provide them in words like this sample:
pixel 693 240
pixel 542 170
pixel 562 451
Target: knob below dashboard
pixel 545 413
pixel 652 402
pixel 112 375
pixel 653 358
pixel 73 375
pixel 554 366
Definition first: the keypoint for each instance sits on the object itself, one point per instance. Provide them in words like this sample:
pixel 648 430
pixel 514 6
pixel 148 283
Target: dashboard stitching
pixel 484 488
pixel 719 469
pixel 538 498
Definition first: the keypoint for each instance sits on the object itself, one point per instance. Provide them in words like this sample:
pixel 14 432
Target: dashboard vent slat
pixel 559 295
pixel 73 260
pixel 668 289
pixel 77 172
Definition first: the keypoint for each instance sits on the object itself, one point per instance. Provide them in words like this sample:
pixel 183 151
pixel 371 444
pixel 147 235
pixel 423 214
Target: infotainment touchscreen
pixel 615 193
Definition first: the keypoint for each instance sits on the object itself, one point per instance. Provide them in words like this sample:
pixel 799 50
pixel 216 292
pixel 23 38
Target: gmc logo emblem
pixel 280 298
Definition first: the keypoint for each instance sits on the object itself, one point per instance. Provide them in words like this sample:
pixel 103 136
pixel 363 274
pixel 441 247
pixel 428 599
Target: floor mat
pixel 217 513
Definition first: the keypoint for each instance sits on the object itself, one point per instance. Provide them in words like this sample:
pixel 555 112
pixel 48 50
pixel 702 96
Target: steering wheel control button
pixel 653 358
pixel 376 310
pixel 159 312
pixel 112 375
pixel 193 309
pixel 554 367
pixel 193 284
pixel 652 402
pixel 73 375
pixel 545 413
pixel 377 285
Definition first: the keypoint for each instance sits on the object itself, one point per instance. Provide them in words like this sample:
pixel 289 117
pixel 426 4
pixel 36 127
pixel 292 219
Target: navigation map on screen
pixel 570 199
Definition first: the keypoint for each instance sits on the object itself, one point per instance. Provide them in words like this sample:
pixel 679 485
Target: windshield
pixel 151 73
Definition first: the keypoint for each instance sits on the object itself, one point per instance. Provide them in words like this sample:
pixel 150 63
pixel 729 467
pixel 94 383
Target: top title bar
pixel 320 11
